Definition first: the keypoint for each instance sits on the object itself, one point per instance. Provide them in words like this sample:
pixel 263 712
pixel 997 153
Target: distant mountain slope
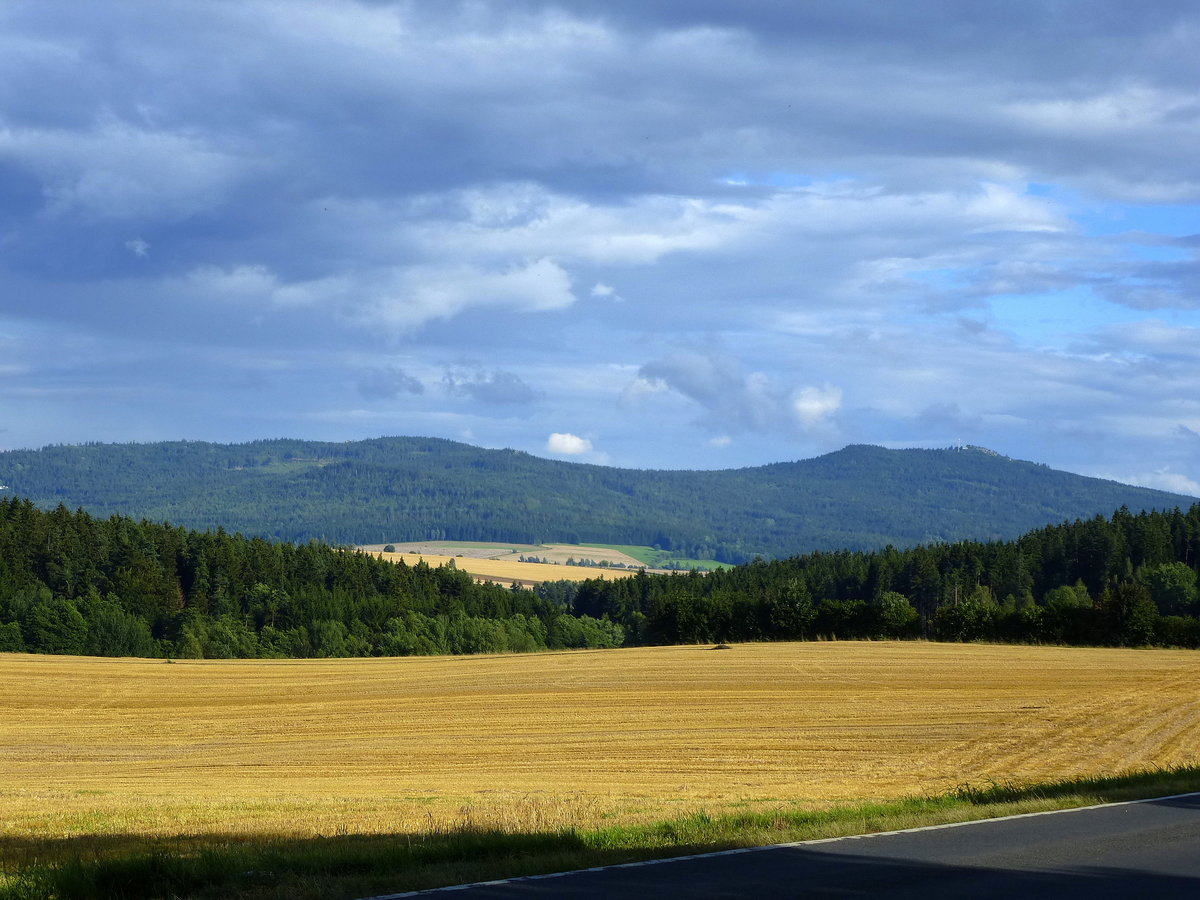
pixel 400 488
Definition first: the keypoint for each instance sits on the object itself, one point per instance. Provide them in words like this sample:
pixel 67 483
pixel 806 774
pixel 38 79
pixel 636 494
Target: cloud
pixel 641 387
pixel 505 219
pixel 1166 480
pixel 887 223
pixel 1146 339
pixel 119 170
pixel 492 388
pixel 388 384
pixel 424 293
pixel 243 282
pixel 732 397
pixel 1188 434
pixel 947 421
pixel 567 444
pixel 398 299
pixel 717 383
pixel 814 405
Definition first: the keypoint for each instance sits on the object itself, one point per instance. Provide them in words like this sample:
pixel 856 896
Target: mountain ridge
pixel 414 488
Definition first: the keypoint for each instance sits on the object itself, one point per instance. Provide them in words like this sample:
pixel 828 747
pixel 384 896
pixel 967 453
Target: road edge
pixel 809 843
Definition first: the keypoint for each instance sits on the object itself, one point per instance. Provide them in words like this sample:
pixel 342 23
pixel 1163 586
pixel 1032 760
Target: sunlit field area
pixel 507 571
pixel 531 742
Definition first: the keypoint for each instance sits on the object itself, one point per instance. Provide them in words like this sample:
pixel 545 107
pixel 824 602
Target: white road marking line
pixel 808 843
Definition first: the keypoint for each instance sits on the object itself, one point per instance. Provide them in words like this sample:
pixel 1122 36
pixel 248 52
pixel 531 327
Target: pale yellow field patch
pixel 553 553
pixel 94 746
pixel 506 571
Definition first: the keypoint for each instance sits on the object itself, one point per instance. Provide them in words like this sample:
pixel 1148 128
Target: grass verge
pixel 200 866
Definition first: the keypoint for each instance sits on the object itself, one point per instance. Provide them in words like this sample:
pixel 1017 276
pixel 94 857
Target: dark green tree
pixel 1129 614
pixel 1172 587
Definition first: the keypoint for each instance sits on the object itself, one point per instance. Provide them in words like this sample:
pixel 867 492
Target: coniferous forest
pixel 73 583
pixel 415 489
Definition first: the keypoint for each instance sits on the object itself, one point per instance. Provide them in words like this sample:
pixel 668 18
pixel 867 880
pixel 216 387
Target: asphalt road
pixel 1147 849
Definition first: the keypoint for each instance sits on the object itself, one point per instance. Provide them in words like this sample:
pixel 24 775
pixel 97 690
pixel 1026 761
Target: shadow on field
pixel 132 867
pixel 216 865
pixel 368 865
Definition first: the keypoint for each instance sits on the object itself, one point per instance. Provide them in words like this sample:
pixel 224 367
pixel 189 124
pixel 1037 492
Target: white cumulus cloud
pixel 813 405
pixel 568 444
pixel 1166 480
pixel 119 170
pixel 440 292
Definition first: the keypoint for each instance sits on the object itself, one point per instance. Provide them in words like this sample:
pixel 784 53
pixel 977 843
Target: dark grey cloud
pixel 1188 434
pixel 718 384
pixel 1156 285
pixel 733 399
pixel 490 388
pixel 948 419
pixel 388 384
pixel 362 100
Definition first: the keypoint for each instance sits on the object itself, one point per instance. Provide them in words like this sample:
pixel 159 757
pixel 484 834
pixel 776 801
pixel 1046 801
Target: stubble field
pixel 506 570
pixel 540 741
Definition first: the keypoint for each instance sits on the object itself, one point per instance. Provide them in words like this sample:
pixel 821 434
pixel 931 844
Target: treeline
pixel 425 489
pixel 71 583
pixel 1130 580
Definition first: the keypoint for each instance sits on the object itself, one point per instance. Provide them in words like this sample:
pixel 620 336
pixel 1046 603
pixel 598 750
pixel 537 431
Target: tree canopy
pixel 72 583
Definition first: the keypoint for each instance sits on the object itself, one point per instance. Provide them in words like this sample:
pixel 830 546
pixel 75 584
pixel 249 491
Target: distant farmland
pixel 501 563
pixel 144 748
pixel 502 571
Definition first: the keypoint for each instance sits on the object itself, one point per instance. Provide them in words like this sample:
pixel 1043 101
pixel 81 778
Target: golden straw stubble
pixel 506 571
pixel 551 739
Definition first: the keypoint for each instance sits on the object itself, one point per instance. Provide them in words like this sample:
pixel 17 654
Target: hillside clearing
pixel 508 571
pixel 502 563
pixel 626 555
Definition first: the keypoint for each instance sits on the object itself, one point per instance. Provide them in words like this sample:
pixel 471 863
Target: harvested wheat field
pixel 530 741
pixel 508 571
pixel 551 553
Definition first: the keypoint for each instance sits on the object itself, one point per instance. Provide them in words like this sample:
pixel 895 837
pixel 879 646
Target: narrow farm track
pixel 528 742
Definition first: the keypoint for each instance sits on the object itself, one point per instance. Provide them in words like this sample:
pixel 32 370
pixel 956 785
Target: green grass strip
pixel 348 866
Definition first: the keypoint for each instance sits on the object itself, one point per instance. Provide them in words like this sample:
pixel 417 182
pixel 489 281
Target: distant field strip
pixel 96 746
pixel 506 571
pixel 555 553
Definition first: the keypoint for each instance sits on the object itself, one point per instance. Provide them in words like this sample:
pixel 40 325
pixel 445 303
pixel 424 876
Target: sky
pixel 651 234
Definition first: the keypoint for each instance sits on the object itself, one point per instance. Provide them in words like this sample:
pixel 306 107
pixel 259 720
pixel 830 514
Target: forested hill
pixel 398 489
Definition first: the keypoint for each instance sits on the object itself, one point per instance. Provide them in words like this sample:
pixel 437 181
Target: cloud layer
pixel 701 234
